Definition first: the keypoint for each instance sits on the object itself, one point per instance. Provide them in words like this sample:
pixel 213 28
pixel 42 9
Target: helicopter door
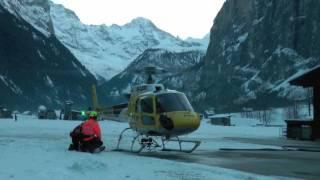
pixel 147 111
pixel 137 114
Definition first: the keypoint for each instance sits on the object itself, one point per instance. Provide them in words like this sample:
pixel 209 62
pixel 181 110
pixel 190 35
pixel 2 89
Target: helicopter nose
pixel 188 120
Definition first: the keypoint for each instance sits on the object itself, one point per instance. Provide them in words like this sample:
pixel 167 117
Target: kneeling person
pixel 89 138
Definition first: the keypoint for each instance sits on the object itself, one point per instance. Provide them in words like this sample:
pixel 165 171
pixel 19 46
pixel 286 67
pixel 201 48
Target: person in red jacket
pixel 87 136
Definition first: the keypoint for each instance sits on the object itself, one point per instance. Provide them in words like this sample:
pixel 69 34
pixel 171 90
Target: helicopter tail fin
pixel 95 97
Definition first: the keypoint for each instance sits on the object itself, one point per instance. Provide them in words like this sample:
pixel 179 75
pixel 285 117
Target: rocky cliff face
pixel 37 69
pixel 256 47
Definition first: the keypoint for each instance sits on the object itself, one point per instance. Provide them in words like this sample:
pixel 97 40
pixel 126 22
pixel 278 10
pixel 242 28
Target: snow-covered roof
pixel 220 116
pixel 307 78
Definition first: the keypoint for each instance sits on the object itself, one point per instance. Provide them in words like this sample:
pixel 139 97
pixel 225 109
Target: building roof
pixel 220 116
pixel 308 79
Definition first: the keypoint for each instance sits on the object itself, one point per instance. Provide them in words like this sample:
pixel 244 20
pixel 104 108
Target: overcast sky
pixel 183 18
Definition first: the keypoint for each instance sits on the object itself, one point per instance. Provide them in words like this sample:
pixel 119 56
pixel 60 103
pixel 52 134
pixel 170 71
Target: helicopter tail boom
pixel 95 98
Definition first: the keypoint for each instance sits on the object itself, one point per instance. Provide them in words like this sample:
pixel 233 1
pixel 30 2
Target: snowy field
pixel 33 149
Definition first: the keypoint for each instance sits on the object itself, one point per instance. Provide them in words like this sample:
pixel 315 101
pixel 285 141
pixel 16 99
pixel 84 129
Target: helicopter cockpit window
pixel 146 105
pixel 173 102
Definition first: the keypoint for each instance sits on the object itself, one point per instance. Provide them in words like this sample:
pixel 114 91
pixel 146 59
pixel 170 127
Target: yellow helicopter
pixel 158 114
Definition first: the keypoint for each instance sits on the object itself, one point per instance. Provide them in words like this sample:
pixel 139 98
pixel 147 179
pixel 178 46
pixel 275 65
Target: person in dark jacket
pixel 15 117
pixel 76 137
pixel 86 137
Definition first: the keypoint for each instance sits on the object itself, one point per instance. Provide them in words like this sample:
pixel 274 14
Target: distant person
pixel 15 118
pixel 61 112
pixel 86 137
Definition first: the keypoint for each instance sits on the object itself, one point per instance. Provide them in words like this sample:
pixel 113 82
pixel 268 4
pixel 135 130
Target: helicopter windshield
pixel 173 102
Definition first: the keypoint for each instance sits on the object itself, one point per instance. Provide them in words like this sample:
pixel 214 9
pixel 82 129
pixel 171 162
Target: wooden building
pixel 220 119
pixel 311 79
pixel 299 129
pixel 47 114
pixel 116 112
pixel 5 113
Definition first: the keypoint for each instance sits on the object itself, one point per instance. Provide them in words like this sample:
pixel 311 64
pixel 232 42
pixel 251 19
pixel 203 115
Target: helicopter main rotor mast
pixel 151 71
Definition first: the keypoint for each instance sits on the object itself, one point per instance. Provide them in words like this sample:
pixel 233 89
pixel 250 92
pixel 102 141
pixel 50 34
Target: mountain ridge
pixel 34 68
pixel 255 48
pixel 172 62
pixel 104 50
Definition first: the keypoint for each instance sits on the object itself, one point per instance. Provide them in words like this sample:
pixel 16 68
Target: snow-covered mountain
pixel 32 11
pixel 256 47
pixel 170 61
pixel 38 69
pixel 104 50
pixel 204 40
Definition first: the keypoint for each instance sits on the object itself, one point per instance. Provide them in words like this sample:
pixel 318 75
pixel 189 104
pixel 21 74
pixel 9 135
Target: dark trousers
pixel 91 145
pixel 76 142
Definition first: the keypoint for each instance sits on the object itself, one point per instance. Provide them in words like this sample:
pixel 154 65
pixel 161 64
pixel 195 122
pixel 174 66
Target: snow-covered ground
pixel 37 149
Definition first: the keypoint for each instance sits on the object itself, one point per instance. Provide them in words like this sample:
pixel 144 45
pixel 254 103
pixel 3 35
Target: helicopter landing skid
pixel 120 137
pixel 139 143
pixel 142 142
pixel 180 141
